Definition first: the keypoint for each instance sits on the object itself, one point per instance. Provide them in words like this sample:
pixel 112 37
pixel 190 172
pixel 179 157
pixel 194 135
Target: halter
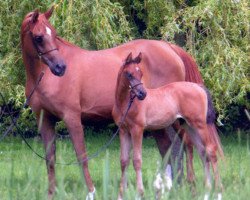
pixel 132 89
pixel 40 54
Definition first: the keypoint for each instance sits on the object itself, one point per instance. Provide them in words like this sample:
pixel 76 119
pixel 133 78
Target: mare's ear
pixel 138 58
pixel 49 12
pixel 129 57
pixel 34 16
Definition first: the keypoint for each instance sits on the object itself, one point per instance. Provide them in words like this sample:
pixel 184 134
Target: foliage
pixel 216 33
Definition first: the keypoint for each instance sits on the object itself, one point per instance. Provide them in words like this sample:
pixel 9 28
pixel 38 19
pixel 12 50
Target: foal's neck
pixel 122 94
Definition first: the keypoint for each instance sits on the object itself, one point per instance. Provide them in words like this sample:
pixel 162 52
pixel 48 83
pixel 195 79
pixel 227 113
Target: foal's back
pixel 164 105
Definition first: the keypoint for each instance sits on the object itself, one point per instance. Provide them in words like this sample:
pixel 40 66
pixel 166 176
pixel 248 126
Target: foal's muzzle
pixel 139 91
pixel 141 95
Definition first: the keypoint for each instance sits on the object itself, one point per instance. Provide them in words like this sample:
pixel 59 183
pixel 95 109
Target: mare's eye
pixel 39 39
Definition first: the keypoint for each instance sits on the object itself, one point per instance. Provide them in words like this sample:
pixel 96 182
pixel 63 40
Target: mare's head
pixel 133 75
pixel 39 41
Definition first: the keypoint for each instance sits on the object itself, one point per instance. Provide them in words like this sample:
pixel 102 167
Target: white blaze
pixel 48 31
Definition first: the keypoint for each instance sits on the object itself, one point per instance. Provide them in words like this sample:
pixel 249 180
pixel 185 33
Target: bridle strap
pixel 132 87
pixel 43 53
pixel 26 104
pixel 40 54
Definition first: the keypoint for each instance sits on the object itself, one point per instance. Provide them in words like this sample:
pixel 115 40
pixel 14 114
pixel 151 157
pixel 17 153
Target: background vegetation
pixel 216 33
pixel 23 175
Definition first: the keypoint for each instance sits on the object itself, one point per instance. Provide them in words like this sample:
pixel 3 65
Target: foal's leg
pixel 46 124
pixel 199 139
pixel 212 151
pixel 125 142
pixel 137 135
pixel 75 128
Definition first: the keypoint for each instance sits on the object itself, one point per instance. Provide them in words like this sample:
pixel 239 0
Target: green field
pixel 23 174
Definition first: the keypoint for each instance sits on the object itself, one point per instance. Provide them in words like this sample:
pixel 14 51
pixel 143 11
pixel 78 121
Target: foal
pixel 162 107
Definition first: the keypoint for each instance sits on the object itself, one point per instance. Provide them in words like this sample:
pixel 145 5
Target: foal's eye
pixel 39 39
pixel 129 76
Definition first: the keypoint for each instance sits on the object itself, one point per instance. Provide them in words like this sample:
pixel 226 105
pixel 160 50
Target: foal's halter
pixel 132 89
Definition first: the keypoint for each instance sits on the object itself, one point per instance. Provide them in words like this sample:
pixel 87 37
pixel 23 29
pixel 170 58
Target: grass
pixel 23 174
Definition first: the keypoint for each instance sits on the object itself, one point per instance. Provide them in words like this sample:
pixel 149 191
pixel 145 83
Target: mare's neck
pixel 34 67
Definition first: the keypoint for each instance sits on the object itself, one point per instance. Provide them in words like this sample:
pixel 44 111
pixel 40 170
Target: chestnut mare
pixel 160 108
pixel 78 86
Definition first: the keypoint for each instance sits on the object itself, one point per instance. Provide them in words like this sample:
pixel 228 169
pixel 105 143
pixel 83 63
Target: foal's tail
pixel 191 68
pixel 210 123
pixel 193 75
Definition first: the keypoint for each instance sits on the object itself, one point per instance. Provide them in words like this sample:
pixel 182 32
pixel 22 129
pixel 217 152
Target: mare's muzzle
pixel 59 69
pixel 55 63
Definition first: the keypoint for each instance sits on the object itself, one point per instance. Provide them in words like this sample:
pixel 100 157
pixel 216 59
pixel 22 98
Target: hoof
pixel 120 197
pixel 206 196
pixel 159 186
pixel 91 195
pixel 50 196
pixel 219 197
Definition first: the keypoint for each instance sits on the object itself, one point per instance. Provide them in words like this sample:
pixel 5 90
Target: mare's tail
pixel 210 123
pixel 191 68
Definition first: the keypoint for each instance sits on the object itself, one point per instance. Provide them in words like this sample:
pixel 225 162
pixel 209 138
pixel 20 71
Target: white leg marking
pixel 159 186
pixel 91 195
pixel 219 196
pixel 206 197
pixel 168 177
pixel 158 182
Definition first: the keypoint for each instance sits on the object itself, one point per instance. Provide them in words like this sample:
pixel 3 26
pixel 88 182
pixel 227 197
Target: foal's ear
pixel 49 12
pixel 129 58
pixel 138 58
pixel 34 16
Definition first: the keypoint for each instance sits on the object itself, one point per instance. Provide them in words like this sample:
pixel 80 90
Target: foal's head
pixel 39 41
pixel 133 75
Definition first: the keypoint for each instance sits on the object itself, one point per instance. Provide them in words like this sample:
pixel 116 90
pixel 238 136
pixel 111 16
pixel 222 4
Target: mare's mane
pixel 26 29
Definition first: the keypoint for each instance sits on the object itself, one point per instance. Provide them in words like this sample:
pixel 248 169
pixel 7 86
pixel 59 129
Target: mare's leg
pixel 125 142
pixel 75 128
pixel 137 135
pixel 164 139
pixel 46 124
